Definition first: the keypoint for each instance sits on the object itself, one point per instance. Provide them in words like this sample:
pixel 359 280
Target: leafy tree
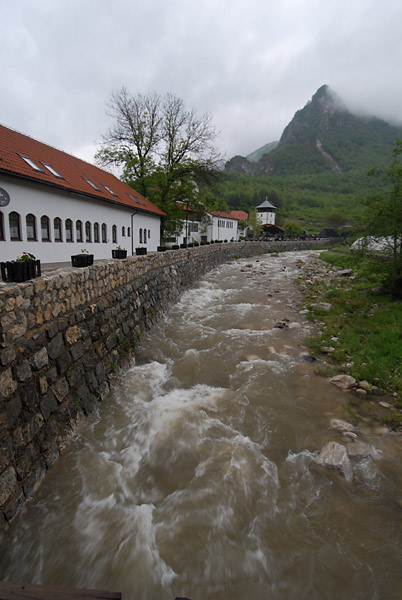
pixel 254 225
pixel 161 148
pixel 383 220
pixel 336 220
pixel 293 227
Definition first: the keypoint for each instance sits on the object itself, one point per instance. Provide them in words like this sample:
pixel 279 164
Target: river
pixel 195 477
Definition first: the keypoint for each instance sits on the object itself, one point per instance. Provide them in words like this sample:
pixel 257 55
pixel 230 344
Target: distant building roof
pixel 223 215
pixel 27 158
pixel 241 215
pixel 266 204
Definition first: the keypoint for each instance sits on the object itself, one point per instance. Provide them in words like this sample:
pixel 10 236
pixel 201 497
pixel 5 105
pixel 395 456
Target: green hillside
pixel 318 171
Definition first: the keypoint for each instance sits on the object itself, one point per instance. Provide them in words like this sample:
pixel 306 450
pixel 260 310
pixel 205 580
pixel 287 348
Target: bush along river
pixel 221 465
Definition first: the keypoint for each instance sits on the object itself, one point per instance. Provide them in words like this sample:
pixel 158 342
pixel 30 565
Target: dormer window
pixel 136 200
pixel 109 190
pixel 53 171
pixel 91 184
pixel 31 163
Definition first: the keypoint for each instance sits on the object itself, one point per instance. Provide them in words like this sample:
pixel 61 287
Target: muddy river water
pixel 195 476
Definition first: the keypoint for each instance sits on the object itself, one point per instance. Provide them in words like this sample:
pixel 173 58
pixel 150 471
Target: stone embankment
pixel 64 335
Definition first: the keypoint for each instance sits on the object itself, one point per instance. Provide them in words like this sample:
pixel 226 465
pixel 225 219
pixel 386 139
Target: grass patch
pixel 364 328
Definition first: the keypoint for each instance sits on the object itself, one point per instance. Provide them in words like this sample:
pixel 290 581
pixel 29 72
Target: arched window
pixel 96 233
pixel 114 234
pixel 58 237
pixel 78 231
pixel 145 237
pixel 88 236
pixel 15 226
pixel 140 236
pixel 2 236
pixel 123 231
pixel 104 233
pixel 149 234
pixel 45 229
pixel 128 231
pixel 30 221
pixel 69 230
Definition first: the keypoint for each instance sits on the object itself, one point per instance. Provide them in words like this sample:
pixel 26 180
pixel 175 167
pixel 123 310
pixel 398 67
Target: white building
pixel 266 213
pixel 213 225
pixel 223 226
pixel 53 205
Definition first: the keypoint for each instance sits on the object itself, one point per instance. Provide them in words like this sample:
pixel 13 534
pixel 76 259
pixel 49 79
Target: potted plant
pixel 23 268
pixel 119 252
pixel 175 247
pixel 82 260
pixel 161 248
pixel 140 251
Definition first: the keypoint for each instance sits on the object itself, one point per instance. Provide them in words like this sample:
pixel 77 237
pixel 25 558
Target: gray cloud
pixel 251 65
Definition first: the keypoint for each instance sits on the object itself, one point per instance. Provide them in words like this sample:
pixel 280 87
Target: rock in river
pixel 334 456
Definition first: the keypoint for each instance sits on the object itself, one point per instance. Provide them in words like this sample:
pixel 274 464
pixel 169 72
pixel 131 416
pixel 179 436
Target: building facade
pixel 266 213
pixel 54 205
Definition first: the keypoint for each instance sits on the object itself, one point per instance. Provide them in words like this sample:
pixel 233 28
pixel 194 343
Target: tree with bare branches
pixel 160 147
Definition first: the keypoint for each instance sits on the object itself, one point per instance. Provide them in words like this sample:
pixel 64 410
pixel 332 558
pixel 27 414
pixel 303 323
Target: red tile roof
pixel 73 172
pixel 241 215
pixel 223 215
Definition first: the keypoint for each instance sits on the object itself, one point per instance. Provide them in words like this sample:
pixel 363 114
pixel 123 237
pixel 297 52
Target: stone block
pixel 13 504
pixel 24 464
pixel 75 375
pixel 72 334
pixel 64 362
pixel 39 360
pixel 60 389
pixel 13 410
pixel 7 384
pixel 7 355
pixel 32 482
pixel 56 347
pixel 23 371
pixel 48 405
pixel 77 351
pixel 8 484
pixel 51 456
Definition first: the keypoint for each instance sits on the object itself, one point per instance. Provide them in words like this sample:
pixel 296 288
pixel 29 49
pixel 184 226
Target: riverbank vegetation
pixel 359 325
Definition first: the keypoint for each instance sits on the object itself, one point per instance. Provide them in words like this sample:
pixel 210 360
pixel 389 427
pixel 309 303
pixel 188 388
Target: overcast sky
pixel 249 63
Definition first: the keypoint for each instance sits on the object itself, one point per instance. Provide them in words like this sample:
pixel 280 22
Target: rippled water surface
pixel 195 477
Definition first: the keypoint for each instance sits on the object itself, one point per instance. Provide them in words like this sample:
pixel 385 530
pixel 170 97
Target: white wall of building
pixel 40 200
pixel 222 229
pixel 266 217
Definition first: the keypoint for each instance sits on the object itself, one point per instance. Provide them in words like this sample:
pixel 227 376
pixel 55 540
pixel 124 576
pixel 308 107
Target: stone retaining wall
pixel 63 336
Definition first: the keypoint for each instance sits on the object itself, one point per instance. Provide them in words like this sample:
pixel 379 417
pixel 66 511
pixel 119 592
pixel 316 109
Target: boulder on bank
pixel 344 382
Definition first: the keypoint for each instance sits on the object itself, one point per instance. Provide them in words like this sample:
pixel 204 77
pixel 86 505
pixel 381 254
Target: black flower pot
pixel 20 270
pixel 82 260
pixel 119 253
pixel 175 247
pixel 140 251
pixel 161 248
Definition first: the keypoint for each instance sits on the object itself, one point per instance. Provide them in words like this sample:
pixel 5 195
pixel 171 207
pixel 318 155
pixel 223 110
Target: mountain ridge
pixel 323 136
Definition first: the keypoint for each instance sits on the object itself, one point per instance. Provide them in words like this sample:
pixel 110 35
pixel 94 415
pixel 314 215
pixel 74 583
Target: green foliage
pixel 383 218
pixel 161 148
pixel 308 198
pixel 367 327
pixel 293 227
